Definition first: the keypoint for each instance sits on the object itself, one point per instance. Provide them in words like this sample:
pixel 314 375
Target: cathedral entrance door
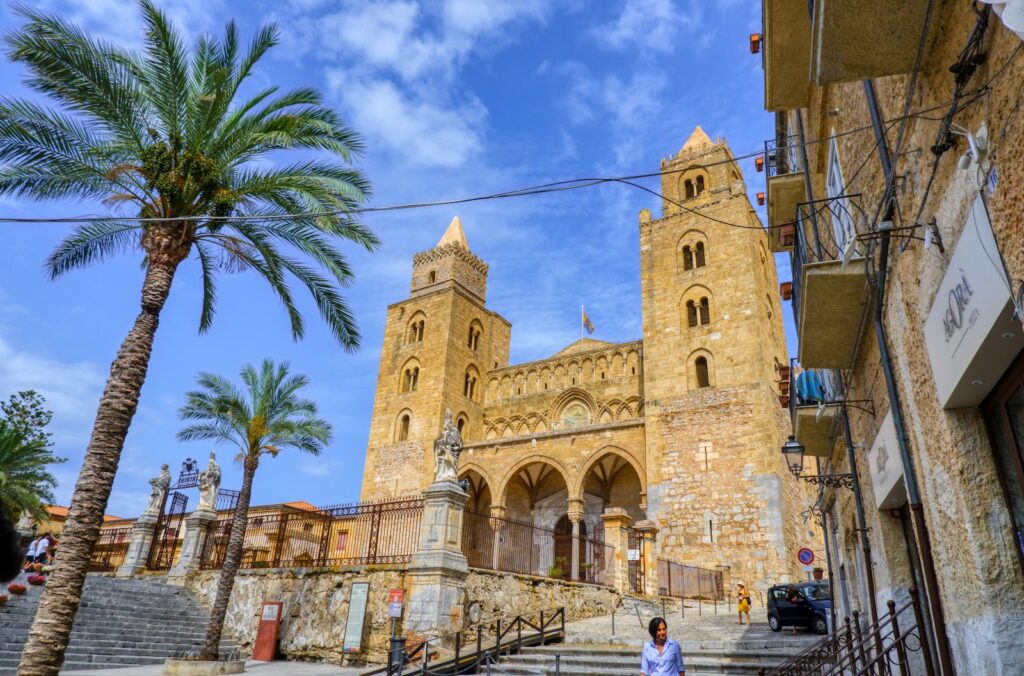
pixel 563 545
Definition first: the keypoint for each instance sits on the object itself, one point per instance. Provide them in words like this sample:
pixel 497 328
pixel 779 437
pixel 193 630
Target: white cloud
pixel 420 129
pixel 648 25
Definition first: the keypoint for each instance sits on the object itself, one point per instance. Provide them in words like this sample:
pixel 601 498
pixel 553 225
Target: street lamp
pixel 793 452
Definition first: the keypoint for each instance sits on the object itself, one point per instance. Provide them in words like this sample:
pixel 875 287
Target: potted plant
pixel 17 588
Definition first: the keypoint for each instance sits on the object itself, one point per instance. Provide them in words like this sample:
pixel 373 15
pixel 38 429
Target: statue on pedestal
pixel 159 484
pixel 447 448
pixel 209 484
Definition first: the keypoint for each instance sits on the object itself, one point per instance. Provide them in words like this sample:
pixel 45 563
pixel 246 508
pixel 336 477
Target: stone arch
pixel 692 369
pixel 563 400
pixel 536 459
pixel 409 375
pixel 403 426
pixel 602 453
pixel 414 328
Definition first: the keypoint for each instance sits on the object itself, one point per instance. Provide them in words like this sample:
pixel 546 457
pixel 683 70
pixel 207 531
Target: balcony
pixel 814 408
pixel 859 39
pixel 830 284
pixel 786 190
pixel 787 54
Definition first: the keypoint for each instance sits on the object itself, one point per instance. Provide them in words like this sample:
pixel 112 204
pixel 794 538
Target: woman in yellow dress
pixel 743 602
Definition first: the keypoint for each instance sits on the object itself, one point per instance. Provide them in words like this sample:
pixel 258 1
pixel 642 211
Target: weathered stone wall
pixel 981 585
pixel 315 609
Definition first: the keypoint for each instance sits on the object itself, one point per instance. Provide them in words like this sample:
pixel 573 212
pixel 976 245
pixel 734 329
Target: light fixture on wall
pixel 793 452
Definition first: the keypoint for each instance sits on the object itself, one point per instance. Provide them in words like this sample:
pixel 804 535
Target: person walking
pixel 743 603
pixel 661 656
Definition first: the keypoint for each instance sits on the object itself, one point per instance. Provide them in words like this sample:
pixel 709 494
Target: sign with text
pixel 971 334
pixel 353 640
pixel 886 467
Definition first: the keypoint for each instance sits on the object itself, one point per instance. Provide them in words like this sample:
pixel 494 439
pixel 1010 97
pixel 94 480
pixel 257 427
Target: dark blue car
pixel 806 604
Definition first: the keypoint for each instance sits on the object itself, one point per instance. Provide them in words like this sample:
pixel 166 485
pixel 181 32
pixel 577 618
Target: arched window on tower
pixel 691 314
pixel 699 260
pixel 700 365
pixel 700 186
pixel 402 433
pixel 688 189
pixel 705 311
pixel 687 258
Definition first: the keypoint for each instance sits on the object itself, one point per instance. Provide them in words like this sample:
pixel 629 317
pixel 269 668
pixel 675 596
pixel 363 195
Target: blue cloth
pixel 808 387
pixel 668 663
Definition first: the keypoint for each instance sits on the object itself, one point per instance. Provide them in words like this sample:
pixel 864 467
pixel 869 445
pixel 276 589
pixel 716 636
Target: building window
pixel 341 541
pixel 403 428
pixel 700 365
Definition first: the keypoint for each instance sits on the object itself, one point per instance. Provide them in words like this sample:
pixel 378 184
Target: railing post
pixel 901 652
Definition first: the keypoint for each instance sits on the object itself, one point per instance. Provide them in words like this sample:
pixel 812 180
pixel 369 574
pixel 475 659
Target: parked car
pixel 806 604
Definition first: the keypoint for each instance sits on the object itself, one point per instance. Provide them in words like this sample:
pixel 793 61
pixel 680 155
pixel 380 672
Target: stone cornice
pixel 452 249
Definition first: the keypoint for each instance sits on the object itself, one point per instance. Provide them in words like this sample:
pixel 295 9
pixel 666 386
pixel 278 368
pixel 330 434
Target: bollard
pixel 396 655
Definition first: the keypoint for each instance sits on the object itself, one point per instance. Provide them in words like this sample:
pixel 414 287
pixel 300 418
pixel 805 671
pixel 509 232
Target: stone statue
pixel 160 485
pixel 209 484
pixel 447 448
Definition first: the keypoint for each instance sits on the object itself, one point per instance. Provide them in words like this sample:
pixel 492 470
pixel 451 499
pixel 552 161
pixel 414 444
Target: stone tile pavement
pixel 279 668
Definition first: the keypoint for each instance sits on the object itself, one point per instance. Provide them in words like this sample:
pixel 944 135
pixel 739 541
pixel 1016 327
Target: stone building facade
pixel 899 148
pixel 681 430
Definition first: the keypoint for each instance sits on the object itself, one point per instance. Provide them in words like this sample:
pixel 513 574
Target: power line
pixel 553 187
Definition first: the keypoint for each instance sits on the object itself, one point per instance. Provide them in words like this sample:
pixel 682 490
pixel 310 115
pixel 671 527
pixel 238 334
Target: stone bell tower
pixel 438 343
pixel 713 341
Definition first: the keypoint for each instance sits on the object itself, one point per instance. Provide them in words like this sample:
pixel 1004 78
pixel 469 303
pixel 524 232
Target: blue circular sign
pixel 806 556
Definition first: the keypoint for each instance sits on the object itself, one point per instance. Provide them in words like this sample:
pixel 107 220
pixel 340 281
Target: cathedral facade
pixel 681 429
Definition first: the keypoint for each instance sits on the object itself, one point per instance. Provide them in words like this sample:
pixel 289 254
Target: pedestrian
pixel 743 603
pixel 662 656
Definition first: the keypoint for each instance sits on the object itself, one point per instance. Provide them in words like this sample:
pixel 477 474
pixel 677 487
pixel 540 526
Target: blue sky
pixel 453 98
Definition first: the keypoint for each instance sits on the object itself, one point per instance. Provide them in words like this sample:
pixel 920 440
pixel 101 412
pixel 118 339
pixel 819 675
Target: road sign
pixel 395 597
pixel 805 556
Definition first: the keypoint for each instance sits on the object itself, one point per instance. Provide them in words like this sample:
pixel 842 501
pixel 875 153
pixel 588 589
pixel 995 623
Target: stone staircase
pixel 120 623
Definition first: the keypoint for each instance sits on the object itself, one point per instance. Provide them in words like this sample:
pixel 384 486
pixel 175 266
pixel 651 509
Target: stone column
pixel 143 531
pixel 197 525
pixel 575 514
pixel 497 512
pixel 438 568
pixel 649 531
pixel 616 534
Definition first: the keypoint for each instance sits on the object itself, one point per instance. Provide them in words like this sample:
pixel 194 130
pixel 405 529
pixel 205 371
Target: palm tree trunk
pixel 232 558
pixel 48 639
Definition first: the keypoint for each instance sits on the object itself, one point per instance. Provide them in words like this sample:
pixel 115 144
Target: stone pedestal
pixel 143 531
pixel 616 534
pixel 649 532
pixel 196 526
pixel 438 568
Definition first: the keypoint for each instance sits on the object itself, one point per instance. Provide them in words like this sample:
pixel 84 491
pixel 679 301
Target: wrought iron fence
pixel 496 543
pixel 689 582
pixel 111 549
pixel 358 534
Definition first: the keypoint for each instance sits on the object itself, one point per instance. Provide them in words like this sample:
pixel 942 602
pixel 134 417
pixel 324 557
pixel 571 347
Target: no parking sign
pixel 805 556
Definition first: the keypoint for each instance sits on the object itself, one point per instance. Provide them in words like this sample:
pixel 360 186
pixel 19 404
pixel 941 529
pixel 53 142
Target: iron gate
pixel 167 536
pixel 636 561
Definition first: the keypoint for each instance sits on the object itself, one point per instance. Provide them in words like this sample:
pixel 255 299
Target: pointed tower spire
pixel 454 233
pixel 697 139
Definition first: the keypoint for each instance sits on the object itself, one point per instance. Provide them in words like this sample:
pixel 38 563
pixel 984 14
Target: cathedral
pixel 680 429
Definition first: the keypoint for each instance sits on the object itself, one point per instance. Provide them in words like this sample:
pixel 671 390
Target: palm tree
pixel 163 134
pixel 25 484
pixel 265 418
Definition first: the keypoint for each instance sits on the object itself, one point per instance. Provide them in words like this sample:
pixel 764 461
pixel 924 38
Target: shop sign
pixel 970 333
pixel 886 467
